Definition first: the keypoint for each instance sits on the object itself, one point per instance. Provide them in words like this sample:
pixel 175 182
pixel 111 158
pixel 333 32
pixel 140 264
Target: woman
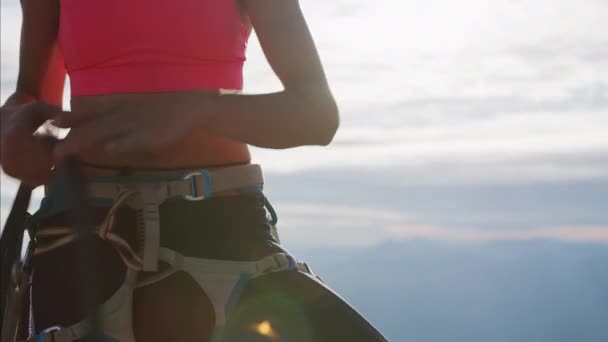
pixel 186 251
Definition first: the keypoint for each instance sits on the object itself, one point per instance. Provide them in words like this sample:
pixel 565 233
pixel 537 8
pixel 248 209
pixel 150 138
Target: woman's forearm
pixel 278 120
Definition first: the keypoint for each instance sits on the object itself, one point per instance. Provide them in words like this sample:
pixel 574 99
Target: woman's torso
pixel 117 52
pixel 199 149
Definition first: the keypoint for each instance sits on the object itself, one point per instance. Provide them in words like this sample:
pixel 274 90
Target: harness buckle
pixel 50 332
pixel 194 195
pixel 283 262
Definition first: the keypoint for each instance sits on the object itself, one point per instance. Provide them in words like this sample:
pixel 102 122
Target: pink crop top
pixel 134 46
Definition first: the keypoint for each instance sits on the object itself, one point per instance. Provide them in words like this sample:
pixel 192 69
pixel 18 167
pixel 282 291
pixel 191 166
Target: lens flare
pixel 264 328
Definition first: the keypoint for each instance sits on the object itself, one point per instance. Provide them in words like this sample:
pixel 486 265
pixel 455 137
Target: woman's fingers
pixel 33 167
pixel 74 119
pixel 93 134
pixel 24 155
pixel 33 115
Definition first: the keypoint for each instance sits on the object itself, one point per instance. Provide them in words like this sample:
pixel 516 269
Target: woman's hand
pixel 137 130
pixel 26 152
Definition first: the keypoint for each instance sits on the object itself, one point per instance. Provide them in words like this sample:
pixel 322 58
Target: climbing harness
pixel 222 281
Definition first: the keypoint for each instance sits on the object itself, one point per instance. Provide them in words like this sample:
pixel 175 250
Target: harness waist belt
pixel 146 192
pixel 192 184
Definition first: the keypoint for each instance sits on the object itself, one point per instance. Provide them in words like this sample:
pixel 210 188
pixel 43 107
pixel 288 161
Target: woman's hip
pixel 197 225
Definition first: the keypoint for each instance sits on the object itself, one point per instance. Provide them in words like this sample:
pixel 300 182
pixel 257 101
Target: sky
pixel 472 142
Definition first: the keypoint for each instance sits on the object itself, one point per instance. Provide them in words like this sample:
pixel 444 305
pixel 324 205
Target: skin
pixel 165 130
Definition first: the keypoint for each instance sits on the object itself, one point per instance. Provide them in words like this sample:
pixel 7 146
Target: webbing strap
pixel 247 269
pixel 81 329
pixel 151 227
pixel 76 332
pixel 235 295
pixel 65 235
pixel 192 185
pixel 73 333
pixel 273 262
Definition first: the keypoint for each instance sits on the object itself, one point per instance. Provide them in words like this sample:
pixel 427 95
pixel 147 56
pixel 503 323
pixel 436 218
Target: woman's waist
pixel 171 187
pixel 192 210
pixel 198 149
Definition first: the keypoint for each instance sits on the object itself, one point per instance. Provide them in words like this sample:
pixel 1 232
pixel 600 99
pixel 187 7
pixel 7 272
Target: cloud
pixel 330 224
pixel 565 233
pixel 326 224
pixel 489 94
pixel 522 147
pixel 338 211
pixel 332 210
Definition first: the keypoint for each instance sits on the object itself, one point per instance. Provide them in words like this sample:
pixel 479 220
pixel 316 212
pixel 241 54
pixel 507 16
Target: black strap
pixel 10 244
pixel 12 239
pixel 81 218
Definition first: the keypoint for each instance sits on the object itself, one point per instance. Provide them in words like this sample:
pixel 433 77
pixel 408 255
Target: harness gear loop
pixel 65 235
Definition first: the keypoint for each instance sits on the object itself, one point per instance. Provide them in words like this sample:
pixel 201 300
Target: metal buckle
pixel 50 331
pixel 284 262
pixel 194 196
pixel 281 261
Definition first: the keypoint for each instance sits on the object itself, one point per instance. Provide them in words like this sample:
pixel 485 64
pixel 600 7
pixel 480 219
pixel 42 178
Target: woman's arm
pixel 305 112
pixel 41 69
pixel 38 96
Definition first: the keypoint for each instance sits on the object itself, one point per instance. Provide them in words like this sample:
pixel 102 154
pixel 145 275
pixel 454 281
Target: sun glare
pixel 264 328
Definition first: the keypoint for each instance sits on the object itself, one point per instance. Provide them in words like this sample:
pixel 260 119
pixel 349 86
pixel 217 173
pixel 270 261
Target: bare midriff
pixel 197 150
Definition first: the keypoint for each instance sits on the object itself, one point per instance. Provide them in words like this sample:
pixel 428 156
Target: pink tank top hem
pixel 143 78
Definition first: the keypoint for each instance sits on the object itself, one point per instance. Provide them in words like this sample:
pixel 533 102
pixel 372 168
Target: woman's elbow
pixel 324 120
pixel 328 124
